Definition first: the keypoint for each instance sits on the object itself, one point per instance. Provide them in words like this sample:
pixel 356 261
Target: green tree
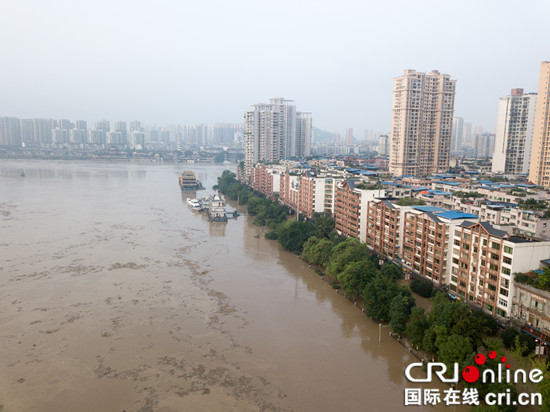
pixel 465 324
pixel 455 348
pixel 318 251
pixel 292 235
pixel 355 276
pixel 422 287
pixel 509 337
pixel 417 326
pixel 378 295
pixel 391 271
pixel 323 225
pixel 350 250
pixel 399 308
pixel 543 387
pixel 487 320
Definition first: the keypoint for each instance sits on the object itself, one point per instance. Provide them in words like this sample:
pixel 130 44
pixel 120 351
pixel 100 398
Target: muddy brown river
pixel 115 296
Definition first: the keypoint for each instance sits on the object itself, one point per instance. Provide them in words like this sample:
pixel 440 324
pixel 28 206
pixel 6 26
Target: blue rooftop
pixel 429 208
pixel 456 214
pixel 439 192
pixel 447 176
pixel 446 183
pixel 390 183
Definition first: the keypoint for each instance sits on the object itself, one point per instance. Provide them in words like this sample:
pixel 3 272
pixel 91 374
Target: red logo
pixel 471 373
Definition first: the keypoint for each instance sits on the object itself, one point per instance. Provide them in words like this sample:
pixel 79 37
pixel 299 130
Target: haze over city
pixel 207 62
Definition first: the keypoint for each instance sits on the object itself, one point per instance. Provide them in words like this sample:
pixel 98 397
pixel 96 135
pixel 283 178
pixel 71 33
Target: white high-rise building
pixel 302 148
pixel 274 131
pixel 384 145
pixel 458 131
pixel 422 120
pixel 514 132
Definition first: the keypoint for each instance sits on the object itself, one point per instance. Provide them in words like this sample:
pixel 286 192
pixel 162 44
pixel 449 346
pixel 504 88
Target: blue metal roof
pixel 429 208
pixel 446 183
pixel 439 192
pixel 456 214
pixel 525 185
pixel 390 183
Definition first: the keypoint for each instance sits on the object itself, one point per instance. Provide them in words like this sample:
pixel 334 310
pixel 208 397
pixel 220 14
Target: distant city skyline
pixel 207 62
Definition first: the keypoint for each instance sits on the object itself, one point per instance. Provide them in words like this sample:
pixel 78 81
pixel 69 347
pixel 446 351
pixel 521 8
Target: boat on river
pixel 188 181
pixel 194 204
pixel 216 209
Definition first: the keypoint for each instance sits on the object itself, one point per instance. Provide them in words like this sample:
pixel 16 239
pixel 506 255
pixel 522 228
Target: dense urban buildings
pixel 274 131
pixel 51 133
pixel 421 127
pixel 514 133
pixel 539 172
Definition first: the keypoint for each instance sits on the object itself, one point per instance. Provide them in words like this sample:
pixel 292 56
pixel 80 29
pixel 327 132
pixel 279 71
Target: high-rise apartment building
pixel 539 172
pixel 423 106
pixel 384 145
pixel 121 127
pixel 274 131
pixel 302 144
pixel 457 135
pixel 349 136
pixel 10 131
pixel 514 133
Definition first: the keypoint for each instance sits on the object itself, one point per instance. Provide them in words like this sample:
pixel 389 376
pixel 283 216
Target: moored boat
pixel 194 204
pixel 188 181
pixel 216 209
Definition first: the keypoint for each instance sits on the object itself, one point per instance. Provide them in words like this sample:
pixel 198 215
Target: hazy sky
pixel 206 61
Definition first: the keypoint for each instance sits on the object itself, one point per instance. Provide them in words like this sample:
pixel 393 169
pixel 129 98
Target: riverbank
pixel 451 333
pixel 115 296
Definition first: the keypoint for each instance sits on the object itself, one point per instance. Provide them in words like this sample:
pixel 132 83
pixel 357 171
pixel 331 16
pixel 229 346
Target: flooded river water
pixel 115 296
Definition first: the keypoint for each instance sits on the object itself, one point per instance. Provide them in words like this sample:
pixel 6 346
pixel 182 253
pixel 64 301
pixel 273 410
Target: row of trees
pixel 450 332
pixel 360 275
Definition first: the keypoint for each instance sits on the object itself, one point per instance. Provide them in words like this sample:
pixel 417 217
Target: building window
pixel 508 249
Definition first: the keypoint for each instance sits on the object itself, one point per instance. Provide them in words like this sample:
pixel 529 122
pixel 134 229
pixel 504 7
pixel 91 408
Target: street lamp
pixel 541 344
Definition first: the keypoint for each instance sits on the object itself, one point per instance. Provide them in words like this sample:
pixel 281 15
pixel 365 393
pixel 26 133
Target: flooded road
pixel 115 296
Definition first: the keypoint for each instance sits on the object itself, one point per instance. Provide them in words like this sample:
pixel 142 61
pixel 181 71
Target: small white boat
pixel 194 204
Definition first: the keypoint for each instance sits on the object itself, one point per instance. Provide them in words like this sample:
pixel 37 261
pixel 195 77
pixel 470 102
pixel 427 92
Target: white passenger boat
pixel 194 204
